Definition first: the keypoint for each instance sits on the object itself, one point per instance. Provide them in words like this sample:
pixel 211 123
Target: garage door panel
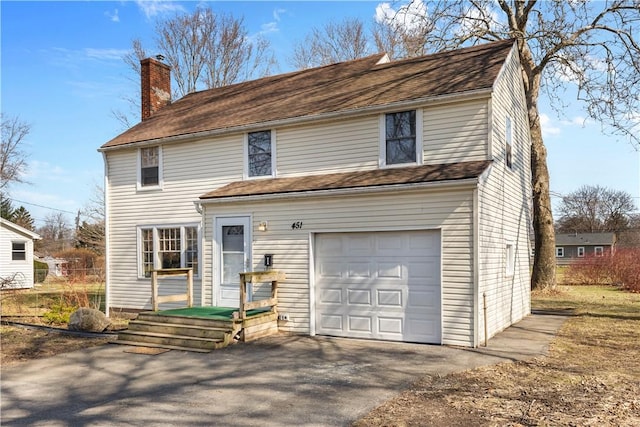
pixel 389 298
pixel 359 297
pixel 379 285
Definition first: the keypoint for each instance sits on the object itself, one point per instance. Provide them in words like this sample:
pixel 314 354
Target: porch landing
pixel 200 329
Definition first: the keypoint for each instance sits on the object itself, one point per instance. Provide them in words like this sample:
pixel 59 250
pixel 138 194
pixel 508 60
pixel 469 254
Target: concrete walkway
pixel 276 381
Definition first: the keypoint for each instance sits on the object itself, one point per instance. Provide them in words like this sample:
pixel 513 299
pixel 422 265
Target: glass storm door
pixel 234 248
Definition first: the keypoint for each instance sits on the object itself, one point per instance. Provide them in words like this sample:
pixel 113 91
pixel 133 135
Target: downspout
pixel 107 246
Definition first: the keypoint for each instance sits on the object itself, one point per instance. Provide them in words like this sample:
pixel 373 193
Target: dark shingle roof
pixel 345 180
pixel 341 87
pixel 581 239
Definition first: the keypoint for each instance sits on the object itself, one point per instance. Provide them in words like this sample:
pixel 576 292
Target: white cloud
pixel 108 54
pixel 548 128
pixel 269 27
pixel 151 8
pixel 277 13
pixel 409 17
pixel 113 16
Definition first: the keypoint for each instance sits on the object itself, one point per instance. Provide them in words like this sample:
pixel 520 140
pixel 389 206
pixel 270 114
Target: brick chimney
pixel 155 79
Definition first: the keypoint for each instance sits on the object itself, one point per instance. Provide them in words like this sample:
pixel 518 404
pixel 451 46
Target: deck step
pixel 179 329
pixel 174 340
pixel 185 320
pixel 169 347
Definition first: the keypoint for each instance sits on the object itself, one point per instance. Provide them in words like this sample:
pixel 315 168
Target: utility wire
pixel 41 206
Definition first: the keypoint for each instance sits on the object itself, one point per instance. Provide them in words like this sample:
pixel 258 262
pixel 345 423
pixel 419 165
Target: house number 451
pixel 296 225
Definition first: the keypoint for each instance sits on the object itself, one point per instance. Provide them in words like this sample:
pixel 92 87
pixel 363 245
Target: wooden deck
pixel 205 329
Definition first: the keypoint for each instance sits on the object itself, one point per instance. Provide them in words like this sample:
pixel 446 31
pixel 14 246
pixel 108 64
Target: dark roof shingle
pixel 345 180
pixel 341 87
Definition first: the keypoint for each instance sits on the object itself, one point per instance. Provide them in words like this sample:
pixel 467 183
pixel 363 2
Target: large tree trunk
pixel 544 262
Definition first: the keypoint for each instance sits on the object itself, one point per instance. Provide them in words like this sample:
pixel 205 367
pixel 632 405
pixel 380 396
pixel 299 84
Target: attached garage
pixel 379 285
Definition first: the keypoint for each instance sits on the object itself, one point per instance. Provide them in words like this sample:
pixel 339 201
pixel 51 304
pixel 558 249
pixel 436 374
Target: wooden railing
pixel 259 277
pixel 157 300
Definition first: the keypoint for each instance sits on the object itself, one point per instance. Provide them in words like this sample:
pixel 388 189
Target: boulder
pixel 88 320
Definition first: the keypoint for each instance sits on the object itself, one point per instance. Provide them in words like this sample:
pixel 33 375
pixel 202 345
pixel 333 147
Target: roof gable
pixel 18 229
pixel 342 87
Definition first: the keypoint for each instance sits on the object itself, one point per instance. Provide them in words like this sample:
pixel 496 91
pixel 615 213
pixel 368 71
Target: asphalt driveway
pixel 276 381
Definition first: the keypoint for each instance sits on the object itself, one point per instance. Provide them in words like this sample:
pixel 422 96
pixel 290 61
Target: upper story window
pixel 508 142
pixel 18 251
pixel 401 139
pixel 150 170
pixel 260 154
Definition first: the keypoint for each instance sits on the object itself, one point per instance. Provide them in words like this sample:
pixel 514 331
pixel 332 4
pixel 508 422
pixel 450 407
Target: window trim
pixel 382 136
pixel 245 172
pixel 559 251
pixel 160 185
pixel 595 251
pixel 15 251
pixel 155 239
pixel 580 252
pixel 508 142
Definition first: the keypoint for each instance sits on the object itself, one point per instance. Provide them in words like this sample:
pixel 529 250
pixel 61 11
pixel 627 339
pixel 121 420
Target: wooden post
pixel 154 290
pixel 243 297
pixel 190 288
pixel 274 295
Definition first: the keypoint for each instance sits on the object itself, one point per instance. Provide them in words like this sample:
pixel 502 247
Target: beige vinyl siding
pixel 450 211
pixel 187 174
pixel 456 132
pixel 339 146
pixel 504 210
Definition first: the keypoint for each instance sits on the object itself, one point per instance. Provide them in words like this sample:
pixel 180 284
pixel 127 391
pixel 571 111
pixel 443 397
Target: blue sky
pixel 62 72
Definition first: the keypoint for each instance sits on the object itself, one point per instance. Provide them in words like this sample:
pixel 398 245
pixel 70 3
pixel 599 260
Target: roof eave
pixel 414 103
pixel 457 183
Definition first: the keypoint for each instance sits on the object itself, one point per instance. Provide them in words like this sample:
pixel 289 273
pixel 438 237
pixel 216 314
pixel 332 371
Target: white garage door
pixel 379 285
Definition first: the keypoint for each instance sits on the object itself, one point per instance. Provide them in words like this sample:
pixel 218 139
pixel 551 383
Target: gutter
pixel 459 183
pixel 323 117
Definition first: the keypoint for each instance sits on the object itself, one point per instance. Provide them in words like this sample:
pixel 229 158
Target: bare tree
pixel 592 45
pixel 334 42
pixel 56 234
pixel 91 234
pixel 13 159
pixel 592 209
pixel 204 50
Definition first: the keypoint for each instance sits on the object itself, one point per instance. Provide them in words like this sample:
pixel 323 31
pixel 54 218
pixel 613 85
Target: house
pixel 16 255
pixel 574 246
pixel 393 194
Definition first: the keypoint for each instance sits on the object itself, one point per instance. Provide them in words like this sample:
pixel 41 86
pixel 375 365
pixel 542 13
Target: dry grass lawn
pixel 591 376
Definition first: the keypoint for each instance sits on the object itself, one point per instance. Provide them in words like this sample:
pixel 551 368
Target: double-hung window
pixel 18 251
pixel 260 154
pixel 598 251
pixel 168 247
pixel 559 252
pixel 150 170
pixel 401 140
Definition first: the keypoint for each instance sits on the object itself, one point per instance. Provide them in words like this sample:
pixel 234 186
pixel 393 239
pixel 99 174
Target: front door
pixel 233 240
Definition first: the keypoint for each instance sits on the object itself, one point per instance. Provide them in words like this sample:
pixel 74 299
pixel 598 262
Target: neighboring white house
pixel 16 255
pixel 393 194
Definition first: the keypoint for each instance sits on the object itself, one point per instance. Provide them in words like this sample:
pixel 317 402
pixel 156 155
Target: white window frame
pixel 160 184
pixel 559 251
pixel 599 249
pixel 382 125
pixel 14 251
pixel 508 142
pixel 510 259
pixel 581 252
pixel 156 245
pixel 246 156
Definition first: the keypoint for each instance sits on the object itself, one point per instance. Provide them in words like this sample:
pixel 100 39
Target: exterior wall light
pixel 262 226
